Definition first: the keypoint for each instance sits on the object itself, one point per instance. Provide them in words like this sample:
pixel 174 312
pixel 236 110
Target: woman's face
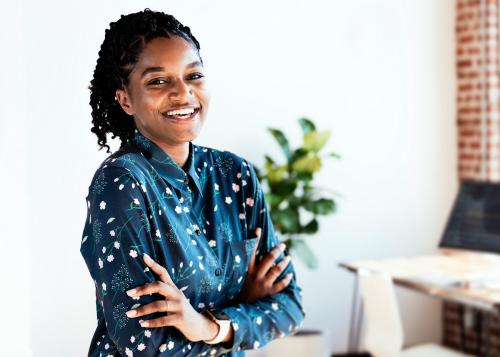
pixel 168 76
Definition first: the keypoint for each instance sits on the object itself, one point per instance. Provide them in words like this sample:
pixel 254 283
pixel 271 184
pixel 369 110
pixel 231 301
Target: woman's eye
pixel 157 81
pixel 196 76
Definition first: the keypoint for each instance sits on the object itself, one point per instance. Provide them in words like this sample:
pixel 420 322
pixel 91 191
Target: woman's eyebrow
pixel 161 69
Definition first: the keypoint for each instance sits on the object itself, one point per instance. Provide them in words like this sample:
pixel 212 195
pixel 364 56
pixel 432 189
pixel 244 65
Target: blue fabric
pixel 199 222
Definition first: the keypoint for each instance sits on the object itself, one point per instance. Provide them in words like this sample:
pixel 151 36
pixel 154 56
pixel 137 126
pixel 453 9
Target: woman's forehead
pixel 170 53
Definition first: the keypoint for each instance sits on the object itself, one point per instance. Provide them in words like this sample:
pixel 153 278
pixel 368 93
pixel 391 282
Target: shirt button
pixel 218 271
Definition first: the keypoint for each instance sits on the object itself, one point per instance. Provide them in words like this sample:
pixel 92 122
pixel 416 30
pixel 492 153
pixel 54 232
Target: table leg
pixel 356 319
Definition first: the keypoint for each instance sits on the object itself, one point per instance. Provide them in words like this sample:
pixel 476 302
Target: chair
pixel 384 333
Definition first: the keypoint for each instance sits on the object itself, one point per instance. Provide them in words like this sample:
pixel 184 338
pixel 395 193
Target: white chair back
pixel 384 332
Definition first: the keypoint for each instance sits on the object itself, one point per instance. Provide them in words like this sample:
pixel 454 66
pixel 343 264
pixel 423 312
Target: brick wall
pixel 478 90
pixel 478 121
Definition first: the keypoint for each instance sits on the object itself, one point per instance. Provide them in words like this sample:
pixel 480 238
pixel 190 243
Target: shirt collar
pixel 165 165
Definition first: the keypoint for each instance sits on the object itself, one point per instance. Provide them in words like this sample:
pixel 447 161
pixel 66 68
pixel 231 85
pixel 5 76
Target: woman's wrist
pixel 210 328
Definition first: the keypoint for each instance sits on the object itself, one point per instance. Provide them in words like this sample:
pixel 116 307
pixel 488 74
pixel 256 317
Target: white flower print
pixel 238 175
pixel 104 286
pixel 235 326
pixel 242 216
pixel 236 187
pixel 136 201
pixel 141 347
pixel 189 231
pixel 250 201
pixel 110 258
pixel 102 205
pixel 228 200
pixel 121 186
pixel 163 348
pixel 132 339
pixel 129 352
pixel 117 245
pixel 181 199
pixel 168 191
pixel 256 344
pixel 212 243
pixel 243 182
pixel 237 259
pixel 158 233
pixel 170 345
pixel 103 250
pixel 112 233
pixel 100 263
pixel 133 253
pixel 147 333
pixel 178 210
pixel 274 306
pixel 185 209
pixel 258 320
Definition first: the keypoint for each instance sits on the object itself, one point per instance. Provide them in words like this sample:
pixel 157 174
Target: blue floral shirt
pixel 199 222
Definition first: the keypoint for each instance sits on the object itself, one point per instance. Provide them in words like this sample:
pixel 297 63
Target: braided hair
pixel 122 46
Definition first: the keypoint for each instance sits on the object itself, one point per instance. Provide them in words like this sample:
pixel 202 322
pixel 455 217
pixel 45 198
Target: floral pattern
pixel 199 222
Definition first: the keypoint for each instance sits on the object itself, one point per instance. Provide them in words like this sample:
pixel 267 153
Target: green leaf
pixel 307 125
pixel 307 164
pixel 311 227
pixel 315 140
pixel 305 254
pixel 282 141
pixel 322 206
pixel 286 220
pixel 283 188
pixel 276 173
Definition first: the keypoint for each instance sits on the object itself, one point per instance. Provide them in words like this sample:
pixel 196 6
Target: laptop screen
pixel 474 222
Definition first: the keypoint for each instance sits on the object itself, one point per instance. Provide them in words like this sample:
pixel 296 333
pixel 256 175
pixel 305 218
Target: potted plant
pixel 295 204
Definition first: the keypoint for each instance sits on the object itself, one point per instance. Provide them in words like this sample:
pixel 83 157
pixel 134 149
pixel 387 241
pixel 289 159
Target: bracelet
pixel 224 327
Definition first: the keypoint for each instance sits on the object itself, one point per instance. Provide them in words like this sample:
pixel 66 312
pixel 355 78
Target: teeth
pixel 181 111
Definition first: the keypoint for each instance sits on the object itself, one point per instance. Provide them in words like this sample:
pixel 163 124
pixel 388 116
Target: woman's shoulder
pixel 122 162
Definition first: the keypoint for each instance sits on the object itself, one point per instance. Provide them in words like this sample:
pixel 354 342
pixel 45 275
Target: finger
pixel 269 259
pixel 283 283
pixel 158 269
pixel 276 270
pixel 155 306
pixel 159 287
pixel 168 320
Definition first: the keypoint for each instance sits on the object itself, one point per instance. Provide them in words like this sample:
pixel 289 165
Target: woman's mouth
pixel 181 115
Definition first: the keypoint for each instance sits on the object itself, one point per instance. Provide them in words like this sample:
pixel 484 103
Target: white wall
pixel 378 74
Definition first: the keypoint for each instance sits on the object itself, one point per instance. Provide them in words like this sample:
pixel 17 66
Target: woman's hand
pixel 261 279
pixel 180 314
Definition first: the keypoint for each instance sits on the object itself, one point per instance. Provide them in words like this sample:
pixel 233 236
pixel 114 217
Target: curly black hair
pixel 123 43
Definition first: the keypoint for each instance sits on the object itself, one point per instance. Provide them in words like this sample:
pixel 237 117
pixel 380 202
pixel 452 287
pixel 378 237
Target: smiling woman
pixel 177 239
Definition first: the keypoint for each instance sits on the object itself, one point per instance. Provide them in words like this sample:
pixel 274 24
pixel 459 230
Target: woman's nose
pixel 181 90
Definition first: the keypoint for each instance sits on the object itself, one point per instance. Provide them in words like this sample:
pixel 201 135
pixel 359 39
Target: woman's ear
pixel 123 98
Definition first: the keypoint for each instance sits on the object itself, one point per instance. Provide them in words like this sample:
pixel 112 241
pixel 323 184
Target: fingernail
pixel 144 324
pixel 131 292
pixel 131 313
pixel 146 256
pixel 282 246
pixel 288 258
pixel 289 275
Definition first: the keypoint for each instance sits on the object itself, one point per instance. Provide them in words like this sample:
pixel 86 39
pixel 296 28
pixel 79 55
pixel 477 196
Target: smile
pixel 181 115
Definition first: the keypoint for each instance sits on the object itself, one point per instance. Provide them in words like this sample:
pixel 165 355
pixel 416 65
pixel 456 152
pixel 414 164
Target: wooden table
pixel 465 277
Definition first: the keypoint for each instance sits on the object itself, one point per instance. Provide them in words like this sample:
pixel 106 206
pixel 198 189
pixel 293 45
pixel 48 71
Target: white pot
pixel 305 343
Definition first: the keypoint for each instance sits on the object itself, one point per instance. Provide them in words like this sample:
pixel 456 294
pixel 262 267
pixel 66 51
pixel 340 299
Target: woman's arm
pixel 278 315
pixel 116 234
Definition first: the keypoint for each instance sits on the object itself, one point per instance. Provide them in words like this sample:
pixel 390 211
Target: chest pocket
pixel 241 251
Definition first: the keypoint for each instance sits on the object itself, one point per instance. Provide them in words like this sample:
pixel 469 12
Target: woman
pixel 178 239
